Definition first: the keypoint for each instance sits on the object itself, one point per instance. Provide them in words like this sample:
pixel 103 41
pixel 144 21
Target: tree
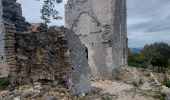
pixel 48 10
pixel 137 60
pixel 158 54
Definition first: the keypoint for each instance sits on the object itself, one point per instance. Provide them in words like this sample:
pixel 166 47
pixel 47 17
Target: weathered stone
pixel 79 76
pixel 101 26
pixel 3 64
pixel 17 98
pixel 128 75
pixel 50 97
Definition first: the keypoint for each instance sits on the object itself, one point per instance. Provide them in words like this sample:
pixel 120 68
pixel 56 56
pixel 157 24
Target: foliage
pixel 137 60
pixel 48 10
pixel 160 96
pixel 4 82
pixel 156 54
pixel 106 98
pixel 167 83
pixel 169 63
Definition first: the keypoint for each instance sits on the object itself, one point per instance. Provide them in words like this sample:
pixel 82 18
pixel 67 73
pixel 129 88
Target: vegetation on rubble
pixel 167 83
pixel 4 83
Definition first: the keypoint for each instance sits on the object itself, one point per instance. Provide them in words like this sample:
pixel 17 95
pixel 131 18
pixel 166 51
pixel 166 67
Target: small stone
pixel 136 80
pixel 25 95
pixel 83 94
pixel 35 95
pixel 17 98
pixel 50 97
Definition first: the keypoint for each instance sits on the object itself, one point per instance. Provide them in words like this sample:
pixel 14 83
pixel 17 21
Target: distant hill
pixel 136 50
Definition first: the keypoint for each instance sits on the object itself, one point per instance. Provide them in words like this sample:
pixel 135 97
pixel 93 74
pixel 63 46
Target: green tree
pixel 48 10
pixel 156 54
pixel 137 60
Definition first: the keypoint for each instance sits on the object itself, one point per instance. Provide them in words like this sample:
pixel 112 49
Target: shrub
pixel 156 54
pixel 160 96
pixel 169 63
pixel 167 83
pixel 106 98
pixel 137 60
pixel 4 82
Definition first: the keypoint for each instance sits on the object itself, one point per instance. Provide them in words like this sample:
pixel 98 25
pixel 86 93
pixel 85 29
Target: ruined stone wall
pixel 40 53
pixel 79 78
pixel 3 64
pixel 101 26
pixel 53 54
pixel 13 22
pixel 11 17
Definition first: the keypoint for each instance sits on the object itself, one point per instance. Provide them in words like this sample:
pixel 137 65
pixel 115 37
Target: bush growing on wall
pixel 4 83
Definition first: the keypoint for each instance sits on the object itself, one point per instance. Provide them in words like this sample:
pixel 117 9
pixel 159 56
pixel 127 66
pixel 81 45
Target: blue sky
pixel 148 21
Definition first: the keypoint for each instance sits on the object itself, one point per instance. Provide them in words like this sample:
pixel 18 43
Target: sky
pixel 148 21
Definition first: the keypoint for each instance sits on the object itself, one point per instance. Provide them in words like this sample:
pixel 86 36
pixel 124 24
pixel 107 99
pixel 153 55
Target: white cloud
pixel 148 22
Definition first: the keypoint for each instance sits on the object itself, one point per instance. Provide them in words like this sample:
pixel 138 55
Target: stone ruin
pixel 101 26
pixel 94 43
pixel 31 53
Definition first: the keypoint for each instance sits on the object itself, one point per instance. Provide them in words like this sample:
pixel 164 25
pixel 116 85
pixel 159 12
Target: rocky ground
pixel 149 88
pixel 117 90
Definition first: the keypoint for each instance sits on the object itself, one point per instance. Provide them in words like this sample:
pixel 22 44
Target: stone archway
pixel 91 34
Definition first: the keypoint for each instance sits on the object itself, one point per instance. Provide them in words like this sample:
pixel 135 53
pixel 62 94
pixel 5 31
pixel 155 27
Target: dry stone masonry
pixel 101 26
pixel 36 52
pixel 40 55
pixel 3 65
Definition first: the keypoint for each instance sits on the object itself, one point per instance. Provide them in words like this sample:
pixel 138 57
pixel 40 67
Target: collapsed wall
pixel 35 52
pixel 101 26
pixel 40 55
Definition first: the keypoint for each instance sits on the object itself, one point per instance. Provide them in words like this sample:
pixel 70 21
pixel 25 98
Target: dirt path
pixel 122 90
pixel 111 87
